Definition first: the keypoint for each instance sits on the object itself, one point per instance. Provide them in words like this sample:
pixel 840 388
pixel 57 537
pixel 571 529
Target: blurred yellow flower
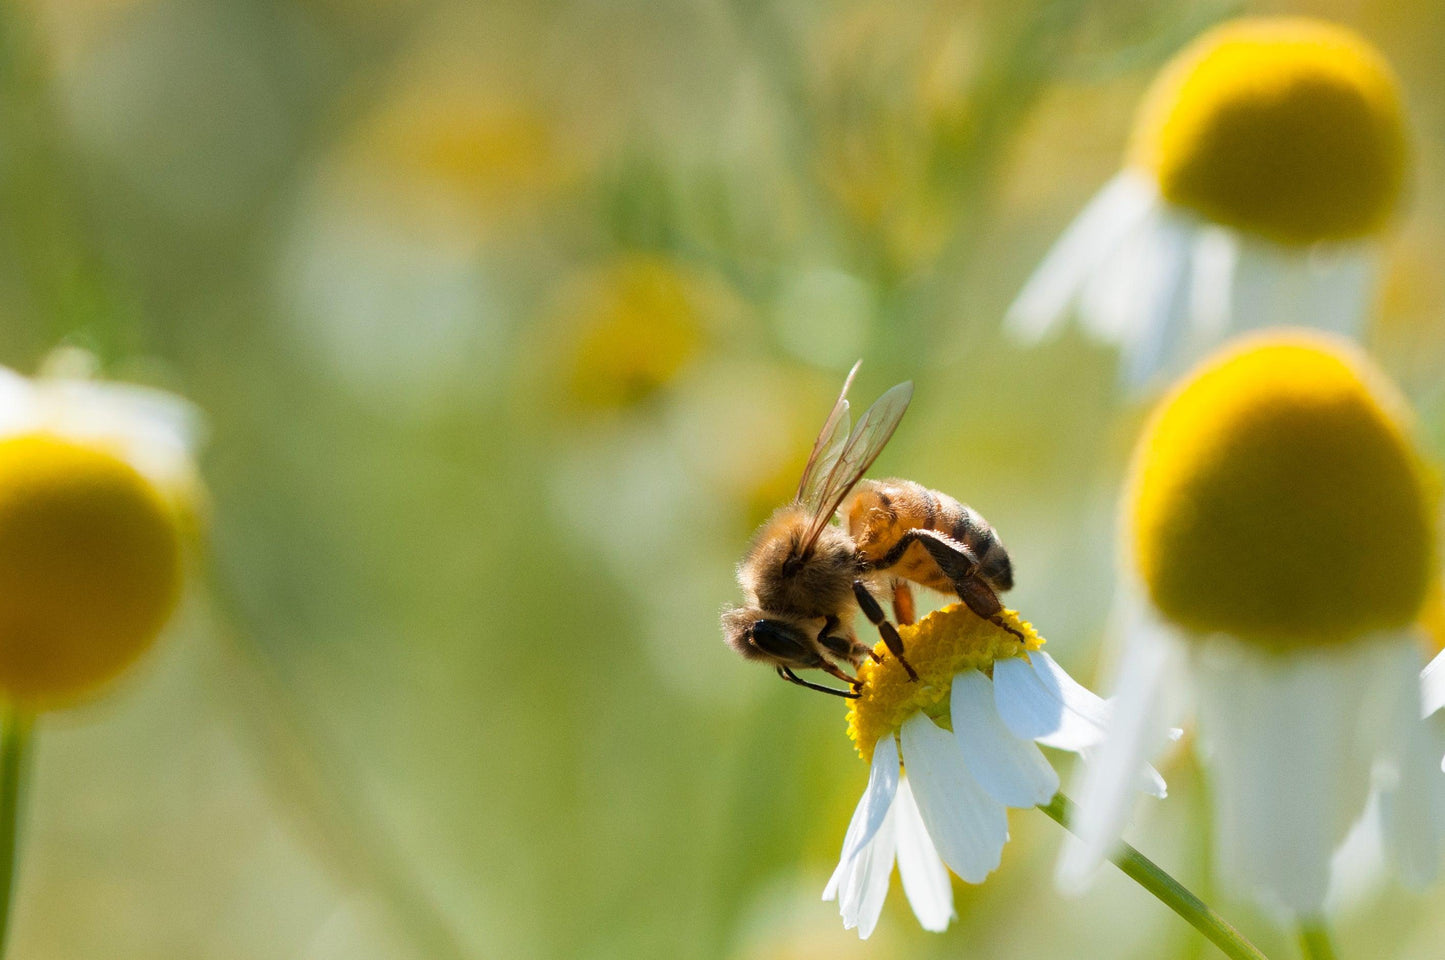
pixel 455 149
pixel 97 497
pixel 1281 545
pixel 1277 497
pixel 891 85
pixel 623 331
pixel 473 136
pixel 1290 128
pixel 1267 160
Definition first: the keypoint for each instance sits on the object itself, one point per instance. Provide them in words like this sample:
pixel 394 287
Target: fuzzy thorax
pixel 1285 127
pixel 939 646
pixel 1277 496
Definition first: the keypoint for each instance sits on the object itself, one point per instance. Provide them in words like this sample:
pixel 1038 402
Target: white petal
pixel 1216 251
pixel 19 403
pixel 1432 685
pixel 877 796
pixel 875 865
pixel 1039 701
pixel 1010 768
pixel 1358 867
pixel 1083 246
pixel 861 884
pixel 1330 287
pixel 1161 301
pixel 1139 729
pixel 968 827
pixel 1267 287
pixel 156 432
pixel 925 878
pixel 1413 815
pixel 1151 781
pixel 1291 771
pixel 1341 286
pixel 872 808
pixel 1109 304
pixel 1408 777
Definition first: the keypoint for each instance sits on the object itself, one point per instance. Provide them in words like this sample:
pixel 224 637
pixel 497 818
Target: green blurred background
pixel 511 320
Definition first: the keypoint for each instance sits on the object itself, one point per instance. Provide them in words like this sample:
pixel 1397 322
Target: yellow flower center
pixel 1277 497
pixel 1286 127
pixel 939 646
pixel 90 568
pixel 636 326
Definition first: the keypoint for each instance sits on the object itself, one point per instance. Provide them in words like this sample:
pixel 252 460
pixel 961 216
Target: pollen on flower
pixel 1276 496
pixel 90 567
pixel 1287 127
pixel 939 646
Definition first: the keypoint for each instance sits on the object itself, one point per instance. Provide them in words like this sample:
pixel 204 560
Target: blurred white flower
pixel 1268 160
pixel 98 497
pixel 1281 547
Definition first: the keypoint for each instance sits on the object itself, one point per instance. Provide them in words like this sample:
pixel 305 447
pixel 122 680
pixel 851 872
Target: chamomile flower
pixel 98 494
pixel 1281 543
pixel 1267 161
pixel 949 754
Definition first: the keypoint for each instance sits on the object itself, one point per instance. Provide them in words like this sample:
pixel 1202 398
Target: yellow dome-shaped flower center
pixel 939 646
pixel 90 568
pixel 1277 497
pixel 1286 127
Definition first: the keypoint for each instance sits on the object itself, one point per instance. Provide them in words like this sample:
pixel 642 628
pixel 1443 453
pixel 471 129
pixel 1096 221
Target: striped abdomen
pixel 881 511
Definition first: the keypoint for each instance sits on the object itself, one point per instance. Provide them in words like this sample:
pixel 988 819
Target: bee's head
pixel 759 636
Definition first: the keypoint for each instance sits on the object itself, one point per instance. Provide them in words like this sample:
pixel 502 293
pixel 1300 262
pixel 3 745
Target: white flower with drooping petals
pixel 1268 160
pixel 1282 543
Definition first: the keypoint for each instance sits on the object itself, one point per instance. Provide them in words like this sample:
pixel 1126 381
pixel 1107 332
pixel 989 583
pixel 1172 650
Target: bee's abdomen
pixel 974 532
pixel 881 511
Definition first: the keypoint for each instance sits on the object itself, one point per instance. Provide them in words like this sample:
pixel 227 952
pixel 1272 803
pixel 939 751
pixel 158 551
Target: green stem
pixel 14 746
pixel 1168 891
pixel 1314 939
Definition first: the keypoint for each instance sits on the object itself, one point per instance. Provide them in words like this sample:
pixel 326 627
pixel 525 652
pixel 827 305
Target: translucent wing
pixel 828 445
pixel 865 442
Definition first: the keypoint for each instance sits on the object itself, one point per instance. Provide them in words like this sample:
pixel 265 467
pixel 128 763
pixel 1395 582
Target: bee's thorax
pixel 781 575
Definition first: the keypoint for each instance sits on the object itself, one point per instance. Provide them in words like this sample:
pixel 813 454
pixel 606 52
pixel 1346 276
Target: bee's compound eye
pixel 777 640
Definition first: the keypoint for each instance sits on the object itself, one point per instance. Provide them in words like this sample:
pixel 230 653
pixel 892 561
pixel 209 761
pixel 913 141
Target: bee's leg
pixel 792 677
pixel 874 613
pixel 959 565
pixel 844 648
pixel 954 558
pixel 981 599
pixel 903 609
pixel 833 671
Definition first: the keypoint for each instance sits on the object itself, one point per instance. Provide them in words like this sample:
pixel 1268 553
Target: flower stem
pixel 14 746
pixel 1314 939
pixel 1170 892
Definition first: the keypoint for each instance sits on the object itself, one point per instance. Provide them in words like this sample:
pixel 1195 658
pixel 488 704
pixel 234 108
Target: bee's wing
pixel 865 442
pixel 828 445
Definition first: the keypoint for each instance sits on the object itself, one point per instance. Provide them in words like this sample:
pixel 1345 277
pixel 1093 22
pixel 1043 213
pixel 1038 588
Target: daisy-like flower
pixel 1281 544
pixel 1267 160
pixel 949 754
pixel 98 494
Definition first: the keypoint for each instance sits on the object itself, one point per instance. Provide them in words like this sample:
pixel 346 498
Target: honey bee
pixel 804 578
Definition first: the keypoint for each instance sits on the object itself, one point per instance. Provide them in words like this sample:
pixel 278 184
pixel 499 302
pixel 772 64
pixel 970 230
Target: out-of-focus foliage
pixel 511 321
